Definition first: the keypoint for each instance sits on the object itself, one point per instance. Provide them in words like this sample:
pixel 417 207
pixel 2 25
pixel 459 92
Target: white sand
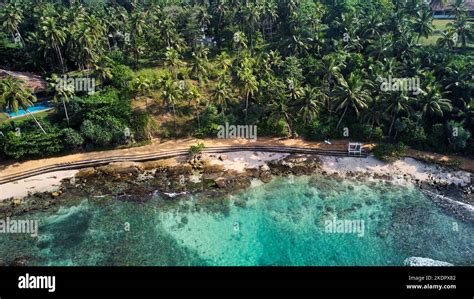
pixel 239 161
pixel 407 166
pixel 48 182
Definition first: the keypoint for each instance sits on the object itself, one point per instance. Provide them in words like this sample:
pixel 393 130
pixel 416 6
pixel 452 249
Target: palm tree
pixel 138 21
pixel 249 85
pixel 199 65
pixel 62 92
pixel 223 61
pixel 396 104
pixel 202 16
pixel 373 115
pixel 433 102
pixel 222 93
pixel 172 94
pixel 279 109
pixel 142 86
pixel 423 24
pixel 54 36
pixel 463 30
pixel 295 91
pixel 459 9
pixel 447 39
pixel 310 103
pixel 11 17
pixel 13 97
pixel 172 60
pixel 240 40
pixel 220 8
pixel 351 93
pixel 381 47
pixel 331 71
pixel 251 19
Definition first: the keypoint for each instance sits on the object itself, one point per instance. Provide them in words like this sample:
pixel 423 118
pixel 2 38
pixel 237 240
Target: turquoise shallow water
pixel 280 223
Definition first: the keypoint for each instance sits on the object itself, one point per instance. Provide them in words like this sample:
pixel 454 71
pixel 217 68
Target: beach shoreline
pixel 402 171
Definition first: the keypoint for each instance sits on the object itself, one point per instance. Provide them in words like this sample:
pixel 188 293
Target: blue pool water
pixel 35 108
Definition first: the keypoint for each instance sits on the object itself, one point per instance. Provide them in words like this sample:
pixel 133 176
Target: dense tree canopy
pixel 293 67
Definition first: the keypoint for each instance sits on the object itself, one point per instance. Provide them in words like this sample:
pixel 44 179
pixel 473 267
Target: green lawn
pixel 439 26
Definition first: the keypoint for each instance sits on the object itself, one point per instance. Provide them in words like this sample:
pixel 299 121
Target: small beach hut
pixel 354 148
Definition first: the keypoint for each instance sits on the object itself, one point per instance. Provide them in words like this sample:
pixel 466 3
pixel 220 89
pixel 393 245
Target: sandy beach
pixel 400 170
pixel 48 182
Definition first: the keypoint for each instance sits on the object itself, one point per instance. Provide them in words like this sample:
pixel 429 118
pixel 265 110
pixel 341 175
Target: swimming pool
pixel 37 107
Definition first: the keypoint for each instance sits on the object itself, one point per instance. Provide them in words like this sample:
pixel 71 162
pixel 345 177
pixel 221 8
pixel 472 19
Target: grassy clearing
pixel 439 26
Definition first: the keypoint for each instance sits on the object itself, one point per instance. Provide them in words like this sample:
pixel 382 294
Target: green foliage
pixel 459 136
pixel 360 132
pixel 308 67
pixel 318 131
pixel 141 125
pixel 72 139
pixel 196 149
pixel 121 75
pixel 389 152
pixel 209 120
pixel 377 135
pixel 102 134
pixel 36 145
pixel 412 133
pixel 438 138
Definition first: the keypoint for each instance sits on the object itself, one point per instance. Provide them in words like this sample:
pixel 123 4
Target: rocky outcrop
pixel 296 164
pixel 86 172
pixel 120 169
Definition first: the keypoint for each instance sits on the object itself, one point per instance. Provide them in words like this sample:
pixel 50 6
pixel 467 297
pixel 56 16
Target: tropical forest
pixel 381 71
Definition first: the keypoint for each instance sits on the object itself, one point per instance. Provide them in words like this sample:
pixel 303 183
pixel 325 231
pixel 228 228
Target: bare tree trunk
pixel 58 51
pixel 37 122
pixel 65 110
pixel 174 118
pixel 391 125
pixel 246 107
pixel 340 120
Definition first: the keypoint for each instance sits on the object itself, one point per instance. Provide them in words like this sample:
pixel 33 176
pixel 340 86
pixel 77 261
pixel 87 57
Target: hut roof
pixel 469 5
pixel 31 81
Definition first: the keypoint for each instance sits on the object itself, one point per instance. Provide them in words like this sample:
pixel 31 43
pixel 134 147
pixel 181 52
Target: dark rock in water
pixel 240 203
pixel 20 261
pixel 221 183
pixel 252 172
pixel 3 263
pixel 265 176
pixel 382 234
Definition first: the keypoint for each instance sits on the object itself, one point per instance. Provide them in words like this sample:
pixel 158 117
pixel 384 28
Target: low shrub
pixel 389 152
